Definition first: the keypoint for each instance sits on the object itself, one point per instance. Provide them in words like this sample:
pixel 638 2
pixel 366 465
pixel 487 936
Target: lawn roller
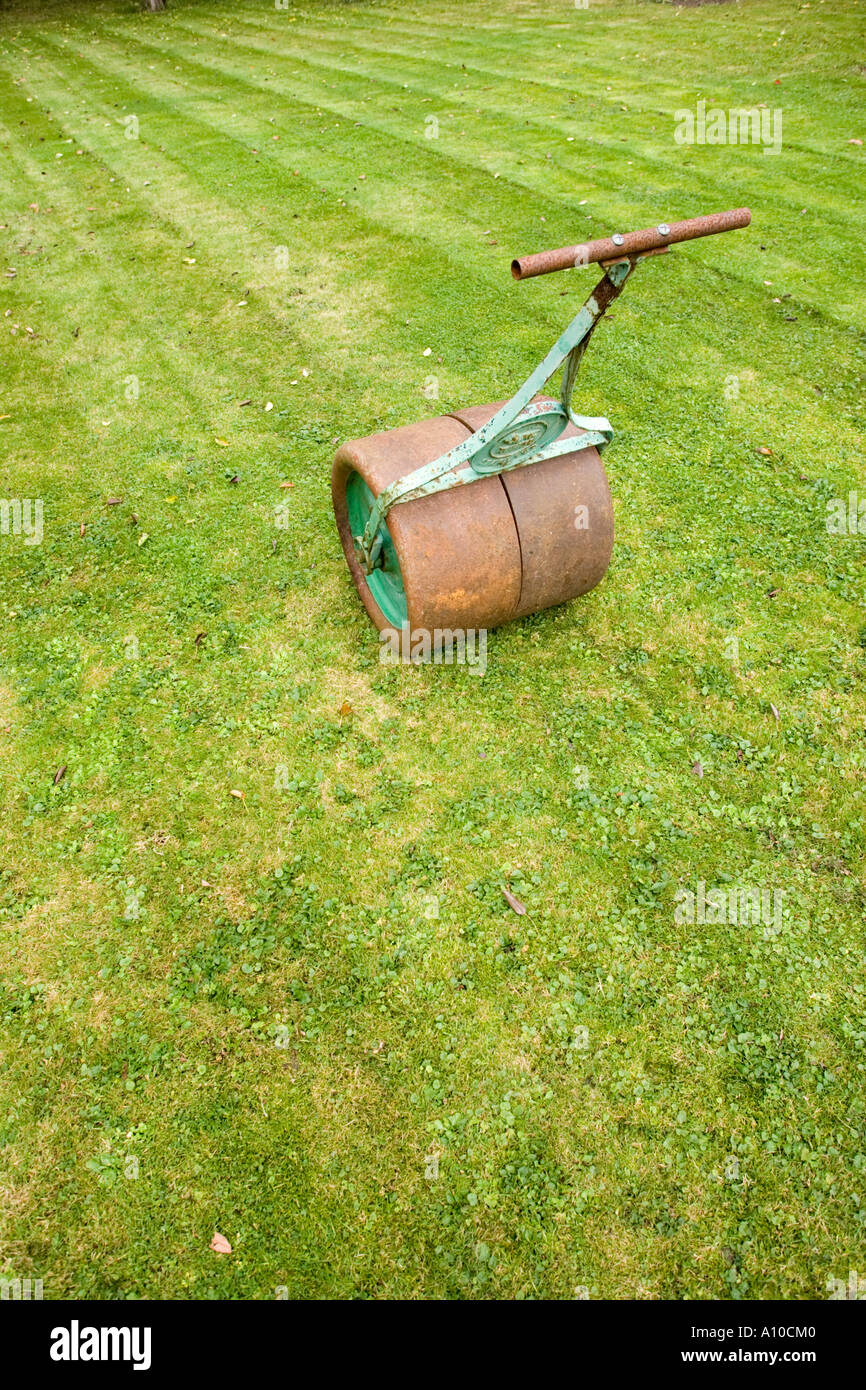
pixel 534 526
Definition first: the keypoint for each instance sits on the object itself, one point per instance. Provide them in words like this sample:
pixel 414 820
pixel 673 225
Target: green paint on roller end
pixel 385 582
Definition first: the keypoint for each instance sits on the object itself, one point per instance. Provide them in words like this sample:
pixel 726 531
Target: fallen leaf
pixel 60 774
pixel 764 451
pixel 855 141
pixel 287 485
pixel 219 1245
pixel 241 796
pixel 223 443
pixel 5 417
pixel 82 528
pixel 697 769
pixel 345 710
pixel 774 711
pixel 199 638
pixel 514 903
pixel 143 537
pixel 113 501
pixel 247 402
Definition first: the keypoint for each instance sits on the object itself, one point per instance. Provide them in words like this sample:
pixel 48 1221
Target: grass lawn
pixel 305 1015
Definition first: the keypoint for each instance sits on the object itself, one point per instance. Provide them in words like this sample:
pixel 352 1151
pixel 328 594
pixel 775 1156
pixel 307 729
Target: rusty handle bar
pixel 630 244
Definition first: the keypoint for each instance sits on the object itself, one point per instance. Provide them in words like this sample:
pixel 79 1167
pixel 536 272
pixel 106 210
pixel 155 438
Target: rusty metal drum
pixel 475 556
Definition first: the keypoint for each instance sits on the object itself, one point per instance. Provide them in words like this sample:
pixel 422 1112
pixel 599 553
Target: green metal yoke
pixel 522 432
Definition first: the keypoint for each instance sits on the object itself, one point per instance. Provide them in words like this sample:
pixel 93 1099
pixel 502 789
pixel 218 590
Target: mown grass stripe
pixel 572 231
pixel 463 60
pixel 414 409
pixel 700 201
pixel 361 229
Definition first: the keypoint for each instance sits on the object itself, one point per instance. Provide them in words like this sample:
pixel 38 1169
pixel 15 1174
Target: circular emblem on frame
pixel 518 443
